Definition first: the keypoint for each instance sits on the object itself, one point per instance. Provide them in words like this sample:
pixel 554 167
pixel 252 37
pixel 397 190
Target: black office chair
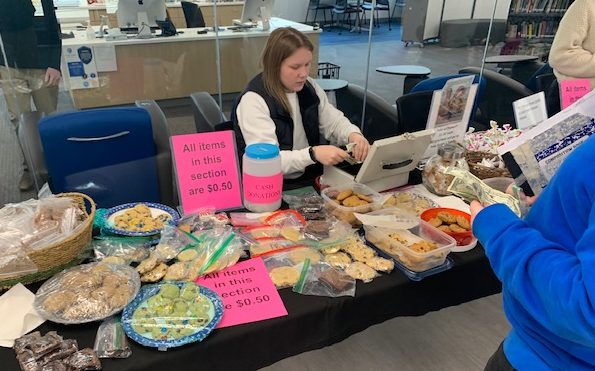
pixel 161 133
pixel 342 7
pixel 193 15
pixel 383 5
pixel 499 94
pixel 207 114
pixel 413 110
pixel 381 118
pixel 552 96
pixel 316 6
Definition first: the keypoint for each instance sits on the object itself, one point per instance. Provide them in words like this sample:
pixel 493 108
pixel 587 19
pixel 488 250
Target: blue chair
pixel 107 153
pixel 413 108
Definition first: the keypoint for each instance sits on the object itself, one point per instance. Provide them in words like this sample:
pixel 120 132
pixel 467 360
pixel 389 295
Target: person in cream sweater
pixel 572 55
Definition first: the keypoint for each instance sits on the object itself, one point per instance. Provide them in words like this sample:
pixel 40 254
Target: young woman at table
pixel 284 106
pixel 545 263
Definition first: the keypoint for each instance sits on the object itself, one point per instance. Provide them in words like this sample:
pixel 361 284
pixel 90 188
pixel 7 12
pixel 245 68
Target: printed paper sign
pixel 80 66
pixel 572 90
pixel 530 111
pixel 447 131
pixel 247 291
pixel 207 170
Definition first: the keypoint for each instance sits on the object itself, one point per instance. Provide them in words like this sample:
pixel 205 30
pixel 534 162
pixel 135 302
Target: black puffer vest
pixel 308 102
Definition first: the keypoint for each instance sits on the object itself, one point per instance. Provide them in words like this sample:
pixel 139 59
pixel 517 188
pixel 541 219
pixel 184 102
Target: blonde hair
pixel 281 44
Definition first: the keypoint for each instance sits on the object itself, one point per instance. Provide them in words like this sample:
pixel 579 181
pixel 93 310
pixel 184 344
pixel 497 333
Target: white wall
pixel 458 9
pixel 484 9
pixel 294 10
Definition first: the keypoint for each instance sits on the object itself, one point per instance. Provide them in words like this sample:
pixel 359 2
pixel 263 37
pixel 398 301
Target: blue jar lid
pixel 262 151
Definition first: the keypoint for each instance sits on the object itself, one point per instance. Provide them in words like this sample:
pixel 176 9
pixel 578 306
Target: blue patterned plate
pixel 157 211
pixel 168 330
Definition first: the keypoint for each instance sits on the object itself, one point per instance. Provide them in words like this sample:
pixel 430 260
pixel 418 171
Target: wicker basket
pixel 55 257
pixel 474 159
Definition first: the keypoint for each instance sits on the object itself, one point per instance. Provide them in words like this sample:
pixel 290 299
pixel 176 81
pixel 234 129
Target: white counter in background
pixel 175 67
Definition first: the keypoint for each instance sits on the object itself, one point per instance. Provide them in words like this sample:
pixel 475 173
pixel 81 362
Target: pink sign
pixel 573 90
pixel 247 291
pixel 262 189
pixel 207 170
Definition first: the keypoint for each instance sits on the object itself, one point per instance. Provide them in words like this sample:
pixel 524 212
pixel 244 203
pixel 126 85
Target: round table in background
pixel 330 86
pixel 413 74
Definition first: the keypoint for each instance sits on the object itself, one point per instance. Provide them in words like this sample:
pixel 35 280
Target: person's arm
pixel 567 55
pixel 554 285
pixel 334 126
pixel 257 127
pixel 337 128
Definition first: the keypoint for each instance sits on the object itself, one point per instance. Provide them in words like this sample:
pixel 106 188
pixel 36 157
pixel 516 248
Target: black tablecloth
pixel 312 323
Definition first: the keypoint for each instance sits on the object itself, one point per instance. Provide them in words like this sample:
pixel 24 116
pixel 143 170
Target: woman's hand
pixel 329 155
pixel 475 208
pixel 361 148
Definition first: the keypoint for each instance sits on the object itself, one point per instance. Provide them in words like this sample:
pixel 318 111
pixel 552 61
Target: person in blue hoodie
pixel 546 263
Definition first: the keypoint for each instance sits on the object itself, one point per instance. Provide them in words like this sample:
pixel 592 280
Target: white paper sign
pixel 446 130
pixel 105 57
pixel 530 111
pixel 111 6
pixel 80 66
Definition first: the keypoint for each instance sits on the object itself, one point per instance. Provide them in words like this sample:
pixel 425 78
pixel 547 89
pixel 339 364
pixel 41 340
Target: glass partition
pixel 366 55
pixel 518 60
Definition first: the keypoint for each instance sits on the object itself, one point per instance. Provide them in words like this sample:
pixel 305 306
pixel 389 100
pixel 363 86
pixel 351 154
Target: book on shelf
pixel 539 6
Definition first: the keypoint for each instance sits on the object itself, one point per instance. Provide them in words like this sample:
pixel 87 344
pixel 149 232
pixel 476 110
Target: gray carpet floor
pixel 460 338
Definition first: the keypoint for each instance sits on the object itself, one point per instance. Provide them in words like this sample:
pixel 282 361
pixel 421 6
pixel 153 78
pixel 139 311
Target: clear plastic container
pixel 344 212
pixel 262 178
pixel 434 177
pixel 396 243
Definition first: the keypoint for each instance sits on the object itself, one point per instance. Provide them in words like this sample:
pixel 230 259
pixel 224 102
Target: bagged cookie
pixel 322 279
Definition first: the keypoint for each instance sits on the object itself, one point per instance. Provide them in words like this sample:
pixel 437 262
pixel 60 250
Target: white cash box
pixel 387 165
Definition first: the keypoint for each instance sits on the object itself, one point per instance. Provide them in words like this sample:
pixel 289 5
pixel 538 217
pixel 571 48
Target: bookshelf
pixel 532 25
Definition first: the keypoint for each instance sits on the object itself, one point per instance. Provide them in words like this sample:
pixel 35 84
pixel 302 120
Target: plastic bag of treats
pixel 121 250
pixel 111 341
pixel 219 248
pixel 307 202
pixel 204 218
pixel 322 279
pixel 284 267
pixel 173 240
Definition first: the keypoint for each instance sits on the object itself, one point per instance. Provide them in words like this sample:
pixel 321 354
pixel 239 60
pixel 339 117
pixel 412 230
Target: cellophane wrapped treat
pixel 111 341
pixel 121 250
pixel 87 293
pixel 35 352
pixel 33 225
pixel 322 279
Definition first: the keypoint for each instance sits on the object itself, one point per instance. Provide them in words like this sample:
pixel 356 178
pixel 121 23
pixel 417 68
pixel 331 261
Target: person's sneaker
pixel 26 182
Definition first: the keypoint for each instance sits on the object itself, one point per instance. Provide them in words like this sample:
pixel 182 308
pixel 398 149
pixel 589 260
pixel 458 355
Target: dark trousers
pixel 498 361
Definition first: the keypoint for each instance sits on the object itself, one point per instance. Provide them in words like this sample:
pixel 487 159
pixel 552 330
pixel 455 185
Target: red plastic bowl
pixel 463 238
